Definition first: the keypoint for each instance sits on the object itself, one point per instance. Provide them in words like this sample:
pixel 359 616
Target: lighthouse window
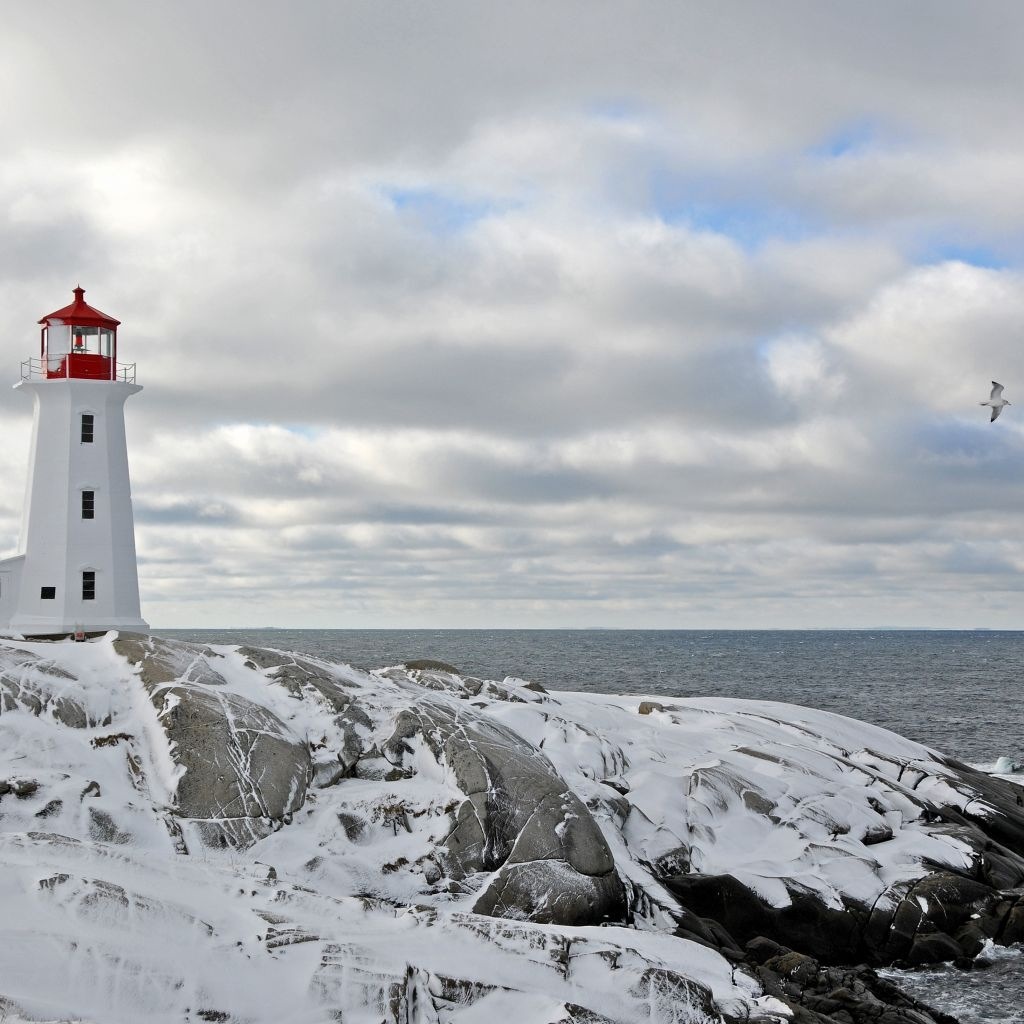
pixel 47 593
pixel 88 585
pixel 87 427
pixel 88 504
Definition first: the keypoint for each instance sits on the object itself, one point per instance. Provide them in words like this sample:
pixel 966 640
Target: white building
pixel 75 569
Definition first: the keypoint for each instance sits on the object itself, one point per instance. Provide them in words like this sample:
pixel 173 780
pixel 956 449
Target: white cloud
pixel 798 368
pixel 936 336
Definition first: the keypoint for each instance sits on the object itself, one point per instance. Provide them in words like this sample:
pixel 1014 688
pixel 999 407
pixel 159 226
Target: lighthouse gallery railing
pixel 56 368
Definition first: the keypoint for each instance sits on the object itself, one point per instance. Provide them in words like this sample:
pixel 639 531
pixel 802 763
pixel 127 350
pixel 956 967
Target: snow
pixel 113 913
pixel 698 771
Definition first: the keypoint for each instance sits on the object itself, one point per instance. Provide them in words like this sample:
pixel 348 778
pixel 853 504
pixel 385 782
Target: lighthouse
pixel 75 570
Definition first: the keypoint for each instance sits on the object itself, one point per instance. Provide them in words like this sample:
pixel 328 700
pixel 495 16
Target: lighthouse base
pixel 32 627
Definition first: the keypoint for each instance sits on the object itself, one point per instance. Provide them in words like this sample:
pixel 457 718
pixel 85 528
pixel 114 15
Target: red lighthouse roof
pixel 81 314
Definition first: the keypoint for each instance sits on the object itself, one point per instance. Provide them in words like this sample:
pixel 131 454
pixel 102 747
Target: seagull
pixel 995 401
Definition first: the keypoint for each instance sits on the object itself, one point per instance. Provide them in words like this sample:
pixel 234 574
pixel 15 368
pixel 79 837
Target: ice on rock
pixel 195 833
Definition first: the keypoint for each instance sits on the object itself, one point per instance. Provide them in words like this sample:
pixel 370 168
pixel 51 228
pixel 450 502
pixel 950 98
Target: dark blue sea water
pixel 957 691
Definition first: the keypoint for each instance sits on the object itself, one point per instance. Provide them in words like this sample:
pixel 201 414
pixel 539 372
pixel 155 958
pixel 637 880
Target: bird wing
pixel 997 390
pixel 996 410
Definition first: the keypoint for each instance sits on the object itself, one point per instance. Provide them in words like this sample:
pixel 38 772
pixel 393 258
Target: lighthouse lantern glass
pixel 93 340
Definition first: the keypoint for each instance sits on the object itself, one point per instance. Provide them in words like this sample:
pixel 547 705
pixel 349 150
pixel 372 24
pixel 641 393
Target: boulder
pixel 820 994
pixel 431 665
pixel 32 690
pixel 806 925
pixel 304 679
pixel 1013 927
pixel 519 819
pixel 300 677
pixel 933 948
pixel 245 772
pixel 1006 825
pixel 550 892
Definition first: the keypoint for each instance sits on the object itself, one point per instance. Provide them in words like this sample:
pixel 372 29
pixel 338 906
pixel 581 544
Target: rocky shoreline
pixel 415 845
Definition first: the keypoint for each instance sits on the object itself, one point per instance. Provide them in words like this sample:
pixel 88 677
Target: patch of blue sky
pixel 443 212
pixel 976 254
pixel 749 223
pixel 736 207
pixel 306 430
pixel 617 109
pixel 852 137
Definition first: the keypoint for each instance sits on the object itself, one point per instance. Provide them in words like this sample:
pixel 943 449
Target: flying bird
pixel 995 401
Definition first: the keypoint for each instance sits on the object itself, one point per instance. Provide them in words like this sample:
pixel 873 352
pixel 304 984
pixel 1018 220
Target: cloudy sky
pixel 538 314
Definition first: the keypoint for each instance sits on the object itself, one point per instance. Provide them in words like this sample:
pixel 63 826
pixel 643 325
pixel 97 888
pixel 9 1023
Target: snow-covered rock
pixel 233 834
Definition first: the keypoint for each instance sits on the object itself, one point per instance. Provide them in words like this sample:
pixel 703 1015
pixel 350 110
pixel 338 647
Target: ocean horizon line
pixel 586 629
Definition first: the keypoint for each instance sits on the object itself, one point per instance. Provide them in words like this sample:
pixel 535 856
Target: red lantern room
pixel 80 342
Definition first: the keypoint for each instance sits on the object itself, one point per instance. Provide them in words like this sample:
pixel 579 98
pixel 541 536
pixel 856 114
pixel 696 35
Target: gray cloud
pixel 541 314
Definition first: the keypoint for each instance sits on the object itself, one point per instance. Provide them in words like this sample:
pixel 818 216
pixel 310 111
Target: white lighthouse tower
pixel 75 569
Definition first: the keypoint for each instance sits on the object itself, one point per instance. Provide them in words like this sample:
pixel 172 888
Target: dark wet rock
pixel 706 932
pixel 1013 926
pixel 430 665
pixel 942 917
pixel 941 903
pixel 945 915
pixel 933 948
pixel 971 939
pixel 816 992
pixel 760 949
pixel 675 862
pixel 1001 869
pixel 805 925
pixel 1006 825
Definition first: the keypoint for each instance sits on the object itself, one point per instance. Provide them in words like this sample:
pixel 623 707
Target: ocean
pixel 957 691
